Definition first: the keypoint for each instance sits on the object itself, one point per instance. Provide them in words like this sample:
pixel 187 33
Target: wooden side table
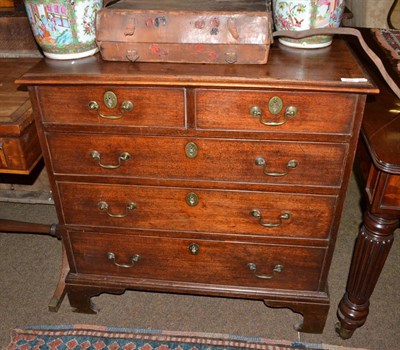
pixel 379 159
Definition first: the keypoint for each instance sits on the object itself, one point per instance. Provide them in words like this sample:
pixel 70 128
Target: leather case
pixel 190 31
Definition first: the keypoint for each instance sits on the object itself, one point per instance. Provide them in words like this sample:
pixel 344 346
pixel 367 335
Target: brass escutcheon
pixel 275 105
pixel 192 199
pixel 191 150
pixel 194 248
pixel 110 99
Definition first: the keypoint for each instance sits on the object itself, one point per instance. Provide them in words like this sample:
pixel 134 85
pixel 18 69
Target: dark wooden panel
pixel 221 211
pixel 230 110
pixel 217 159
pixel 151 107
pixel 219 263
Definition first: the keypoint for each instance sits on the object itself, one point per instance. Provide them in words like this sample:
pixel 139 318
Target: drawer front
pixel 166 208
pixel 260 162
pixel 197 261
pixel 150 107
pixel 272 111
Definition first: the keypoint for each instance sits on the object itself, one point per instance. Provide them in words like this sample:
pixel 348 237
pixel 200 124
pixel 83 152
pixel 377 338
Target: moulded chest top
pixel 287 68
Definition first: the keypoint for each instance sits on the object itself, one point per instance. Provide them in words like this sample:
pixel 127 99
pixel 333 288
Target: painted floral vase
pixel 64 29
pixel 307 14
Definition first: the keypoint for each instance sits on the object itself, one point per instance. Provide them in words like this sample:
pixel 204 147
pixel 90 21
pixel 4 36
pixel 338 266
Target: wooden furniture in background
pixel 379 161
pixel 21 167
pixel 19 144
pixel 16 37
pixel 20 150
pixel 224 180
pixel 21 175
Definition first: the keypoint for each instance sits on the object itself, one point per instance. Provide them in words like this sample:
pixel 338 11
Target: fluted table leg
pixel 371 250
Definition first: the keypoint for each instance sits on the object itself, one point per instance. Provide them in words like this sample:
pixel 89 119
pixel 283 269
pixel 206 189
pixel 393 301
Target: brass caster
pixel 343 332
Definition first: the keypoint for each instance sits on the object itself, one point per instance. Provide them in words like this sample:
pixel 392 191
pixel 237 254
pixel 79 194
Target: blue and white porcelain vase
pixel 64 29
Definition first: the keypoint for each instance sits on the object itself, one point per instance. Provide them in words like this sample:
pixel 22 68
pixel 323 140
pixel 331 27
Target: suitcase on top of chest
pixel 185 31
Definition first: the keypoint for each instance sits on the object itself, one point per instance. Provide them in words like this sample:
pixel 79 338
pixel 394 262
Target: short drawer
pixel 201 210
pixel 197 261
pixel 241 161
pixel 102 105
pixel 275 111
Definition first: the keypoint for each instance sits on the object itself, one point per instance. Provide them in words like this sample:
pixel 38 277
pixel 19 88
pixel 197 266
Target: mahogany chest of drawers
pixel 204 179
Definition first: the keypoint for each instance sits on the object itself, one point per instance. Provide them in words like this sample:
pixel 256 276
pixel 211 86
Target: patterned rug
pixel 97 338
pixel 389 39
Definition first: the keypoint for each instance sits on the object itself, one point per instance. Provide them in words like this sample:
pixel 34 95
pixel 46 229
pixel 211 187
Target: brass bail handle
pixel 126 106
pixel 256 213
pixel 104 206
pixel 134 260
pixel 291 164
pixel 123 157
pixel 277 269
pixel 257 112
pixel 110 101
pixel 275 106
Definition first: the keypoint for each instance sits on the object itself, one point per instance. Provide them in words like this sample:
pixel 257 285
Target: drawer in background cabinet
pixel 294 112
pixel 244 161
pixel 140 107
pixel 197 261
pixel 181 209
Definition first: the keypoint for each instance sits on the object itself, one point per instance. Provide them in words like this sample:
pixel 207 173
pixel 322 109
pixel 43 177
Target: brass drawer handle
pixel 123 157
pixel 126 106
pixel 277 269
pixel 105 207
pixel 291 164
pixel 257 112
pixel 256 213
pixel 134 259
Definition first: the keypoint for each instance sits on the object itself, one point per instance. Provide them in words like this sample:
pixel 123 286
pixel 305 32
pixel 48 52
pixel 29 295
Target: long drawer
pixel 181 209
pixel 197 261
pixel 275 111
pixel 102 105
pixel 241 161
